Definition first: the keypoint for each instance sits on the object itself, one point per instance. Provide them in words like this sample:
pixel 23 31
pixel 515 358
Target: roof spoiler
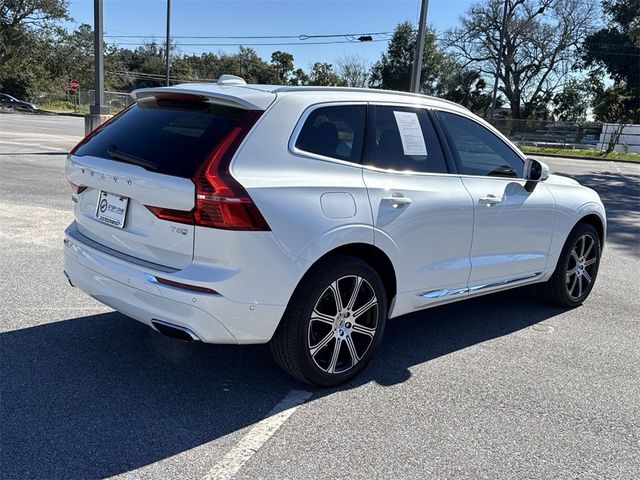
pixel 231 94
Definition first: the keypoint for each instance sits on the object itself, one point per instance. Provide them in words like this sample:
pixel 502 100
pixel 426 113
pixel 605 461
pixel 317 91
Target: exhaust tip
pixel 174 331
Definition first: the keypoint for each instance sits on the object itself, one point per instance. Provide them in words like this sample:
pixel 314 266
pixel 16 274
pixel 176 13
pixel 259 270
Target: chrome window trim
pixel 293 138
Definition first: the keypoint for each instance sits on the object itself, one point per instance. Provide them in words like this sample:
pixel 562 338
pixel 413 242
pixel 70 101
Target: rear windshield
pixel 175 137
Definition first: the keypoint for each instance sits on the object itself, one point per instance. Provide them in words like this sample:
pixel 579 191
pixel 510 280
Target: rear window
pixel 175 136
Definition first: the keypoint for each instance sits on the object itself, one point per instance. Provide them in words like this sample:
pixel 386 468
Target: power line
pixel 259 44
pixel 301 37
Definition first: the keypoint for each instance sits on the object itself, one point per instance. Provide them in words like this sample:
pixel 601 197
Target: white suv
pixel 307 216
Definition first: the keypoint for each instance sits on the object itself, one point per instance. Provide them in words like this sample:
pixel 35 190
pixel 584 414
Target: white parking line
pixel 235 458
pixel 616 167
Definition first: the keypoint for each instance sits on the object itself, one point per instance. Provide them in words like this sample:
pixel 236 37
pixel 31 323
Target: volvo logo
pixel 103 176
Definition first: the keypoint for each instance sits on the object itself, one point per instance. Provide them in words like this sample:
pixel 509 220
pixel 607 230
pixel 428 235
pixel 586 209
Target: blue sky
pixel 268 17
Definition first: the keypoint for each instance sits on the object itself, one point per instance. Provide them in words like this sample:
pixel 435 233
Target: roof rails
pixel 364 90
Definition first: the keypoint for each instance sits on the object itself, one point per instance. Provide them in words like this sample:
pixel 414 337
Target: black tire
pixel 298 332
pixel 567 289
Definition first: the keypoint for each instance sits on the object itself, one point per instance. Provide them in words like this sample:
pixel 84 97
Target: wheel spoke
pixel 336 296
pixel 586 276
pixel 370 332
pixel 590 262
pixel 583 241
pixel 591 243
pixel 573 285
pixel 316 316
pixel 570 272
pixel 365 308
pixel 579 285
pixel 352 350
pixel 321 344
pixel 354 294
pixel 574 254
pixel 334 357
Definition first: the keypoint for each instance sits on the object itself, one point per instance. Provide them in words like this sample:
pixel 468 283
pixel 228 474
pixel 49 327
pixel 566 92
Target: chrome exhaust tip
pixel 174 331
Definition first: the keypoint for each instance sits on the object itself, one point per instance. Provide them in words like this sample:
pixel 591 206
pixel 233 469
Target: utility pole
pixel 167 45
pixel 503 28
pixel 98 109
pixel 417 60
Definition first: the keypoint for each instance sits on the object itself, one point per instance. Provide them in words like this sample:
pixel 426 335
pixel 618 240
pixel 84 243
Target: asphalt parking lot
pixel 500 387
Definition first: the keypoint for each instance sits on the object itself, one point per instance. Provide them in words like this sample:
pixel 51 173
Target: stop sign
pixel 74 85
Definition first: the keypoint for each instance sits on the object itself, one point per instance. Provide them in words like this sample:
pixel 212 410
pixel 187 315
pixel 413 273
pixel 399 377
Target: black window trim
pixel 302 120
pixel 449 162
pixel 452 152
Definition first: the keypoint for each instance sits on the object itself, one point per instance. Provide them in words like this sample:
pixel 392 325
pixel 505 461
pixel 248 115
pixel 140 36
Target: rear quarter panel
pixel 288 188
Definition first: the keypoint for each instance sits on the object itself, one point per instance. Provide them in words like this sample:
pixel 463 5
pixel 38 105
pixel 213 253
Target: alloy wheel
pixel 343 324
pixel 581 267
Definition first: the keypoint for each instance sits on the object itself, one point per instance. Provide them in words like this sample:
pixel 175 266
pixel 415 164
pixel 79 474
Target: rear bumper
pixel 130 289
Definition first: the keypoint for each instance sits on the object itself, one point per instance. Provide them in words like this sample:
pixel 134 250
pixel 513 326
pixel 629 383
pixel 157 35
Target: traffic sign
pixel 75 86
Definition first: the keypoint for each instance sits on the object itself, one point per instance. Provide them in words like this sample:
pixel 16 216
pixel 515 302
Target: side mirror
pixel 535 171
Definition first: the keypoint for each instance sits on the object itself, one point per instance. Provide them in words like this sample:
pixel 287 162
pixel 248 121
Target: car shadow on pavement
pixel 620 194
pixel 100 395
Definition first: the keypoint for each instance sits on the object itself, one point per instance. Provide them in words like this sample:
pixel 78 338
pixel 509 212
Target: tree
pixel 615 49
pixel 539 46
pixel 299 78
pixel 20 20
pixel 26 28
pixel 463 85
pixel 322 74
pixel 393 70
pixel 252 68
pixel 354 70
pixel 283 64
pixel 570 103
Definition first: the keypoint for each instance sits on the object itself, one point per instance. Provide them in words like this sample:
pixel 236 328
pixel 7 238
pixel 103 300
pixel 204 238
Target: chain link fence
pixel 595 136
pixel 81 100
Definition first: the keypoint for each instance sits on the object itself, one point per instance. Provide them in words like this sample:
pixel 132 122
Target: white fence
pixel 625 137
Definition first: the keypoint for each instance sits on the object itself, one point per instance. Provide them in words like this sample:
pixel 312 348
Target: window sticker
pixel 410 133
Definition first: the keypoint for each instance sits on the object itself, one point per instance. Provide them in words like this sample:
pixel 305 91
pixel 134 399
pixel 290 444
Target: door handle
pixel 490 200
pixel 396 200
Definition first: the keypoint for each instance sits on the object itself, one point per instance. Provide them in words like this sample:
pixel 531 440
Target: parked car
pixel 307 216
pixel 7 101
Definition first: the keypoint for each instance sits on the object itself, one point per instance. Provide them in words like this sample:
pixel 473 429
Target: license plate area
pixel 112 209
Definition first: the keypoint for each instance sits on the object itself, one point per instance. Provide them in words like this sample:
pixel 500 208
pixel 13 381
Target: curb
pixel 65 114
pixel 595 159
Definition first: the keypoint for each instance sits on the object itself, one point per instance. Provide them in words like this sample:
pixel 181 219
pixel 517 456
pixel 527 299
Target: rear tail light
pixel 77 188
pixel 221 202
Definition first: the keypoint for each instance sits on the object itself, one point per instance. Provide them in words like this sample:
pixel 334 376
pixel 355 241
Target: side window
pixel 335 132
pixel 403 139
pixel 478 151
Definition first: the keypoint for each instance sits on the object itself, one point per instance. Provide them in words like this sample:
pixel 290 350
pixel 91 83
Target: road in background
pixel 501 387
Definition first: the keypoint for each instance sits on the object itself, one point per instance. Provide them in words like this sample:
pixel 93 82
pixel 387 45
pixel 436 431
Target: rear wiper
pixel 128 158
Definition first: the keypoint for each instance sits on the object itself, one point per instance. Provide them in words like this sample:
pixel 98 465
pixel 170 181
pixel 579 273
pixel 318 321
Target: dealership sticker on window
pixel 410 133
